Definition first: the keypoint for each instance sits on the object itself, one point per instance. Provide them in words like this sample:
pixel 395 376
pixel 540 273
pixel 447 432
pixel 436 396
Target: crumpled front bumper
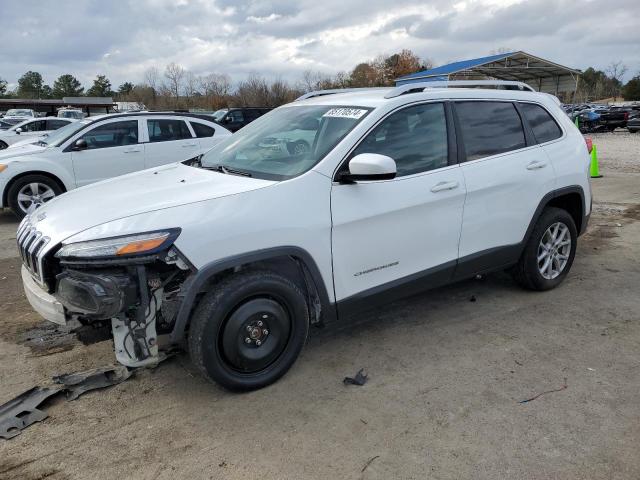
pixel 41 301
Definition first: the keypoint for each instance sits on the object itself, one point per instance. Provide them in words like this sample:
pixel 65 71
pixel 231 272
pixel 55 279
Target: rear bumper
pixel 41 301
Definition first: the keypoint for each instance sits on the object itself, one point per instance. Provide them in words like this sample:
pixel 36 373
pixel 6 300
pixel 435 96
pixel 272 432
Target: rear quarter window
pixel 202 130
pixel 541 122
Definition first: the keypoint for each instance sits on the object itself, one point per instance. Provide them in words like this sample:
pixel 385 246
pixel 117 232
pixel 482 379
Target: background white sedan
pixel 98 148
pixel 31 129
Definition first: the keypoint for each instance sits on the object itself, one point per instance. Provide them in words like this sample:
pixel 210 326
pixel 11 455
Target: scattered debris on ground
pixel 369 463
pixel 563 387
pixel 75 384
pixel 359 379
pixel 22 411
pixel 48 338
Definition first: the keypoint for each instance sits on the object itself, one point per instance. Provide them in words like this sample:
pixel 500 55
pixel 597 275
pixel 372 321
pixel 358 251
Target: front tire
pixel 31 191
pixel 3 145
pixel 549 253
pixel 249 330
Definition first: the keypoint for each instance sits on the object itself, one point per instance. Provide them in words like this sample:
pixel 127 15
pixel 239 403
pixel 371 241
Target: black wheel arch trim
pixel 201 277
pixel 12 180
pixel 555 194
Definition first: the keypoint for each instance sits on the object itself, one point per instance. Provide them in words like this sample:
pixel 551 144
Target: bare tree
pixel 253 92
pixel 615 71
pixel 175 75
pixel 191 85
pixel 152 77
pixel 215 85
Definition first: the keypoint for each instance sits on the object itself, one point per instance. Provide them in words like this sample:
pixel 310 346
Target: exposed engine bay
pixel 137 298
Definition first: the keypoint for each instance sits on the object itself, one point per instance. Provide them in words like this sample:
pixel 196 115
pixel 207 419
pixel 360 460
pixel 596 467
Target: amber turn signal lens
pixel 141 246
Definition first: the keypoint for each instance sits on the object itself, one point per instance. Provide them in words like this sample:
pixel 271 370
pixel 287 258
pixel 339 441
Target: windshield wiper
pixel 228 170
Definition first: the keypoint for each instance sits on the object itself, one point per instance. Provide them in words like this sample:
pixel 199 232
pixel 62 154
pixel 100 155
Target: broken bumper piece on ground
pixel 22 411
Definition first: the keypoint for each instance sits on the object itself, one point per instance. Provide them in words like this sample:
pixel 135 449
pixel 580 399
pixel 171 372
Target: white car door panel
pixel 394 230
pixel 388 230
pixel 112 150
pixel 503 189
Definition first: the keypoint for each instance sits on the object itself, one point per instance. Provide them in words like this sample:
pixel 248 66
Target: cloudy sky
pixel 121 39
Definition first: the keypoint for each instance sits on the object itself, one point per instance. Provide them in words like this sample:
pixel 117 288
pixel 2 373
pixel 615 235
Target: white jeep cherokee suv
pixel 401 189
pixel 97 148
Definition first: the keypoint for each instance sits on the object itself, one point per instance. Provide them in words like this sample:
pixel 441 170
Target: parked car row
pixel 96 148
pixel 603 118
pixel 31 130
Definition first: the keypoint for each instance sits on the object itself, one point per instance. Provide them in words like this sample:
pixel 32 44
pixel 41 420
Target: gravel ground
pixel 446 378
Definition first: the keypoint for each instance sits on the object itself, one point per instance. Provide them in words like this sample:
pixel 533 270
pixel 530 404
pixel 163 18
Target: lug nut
pixel 260 323
pixel 248 328
pixel 247 340
pixel 265 332
pixel 258 342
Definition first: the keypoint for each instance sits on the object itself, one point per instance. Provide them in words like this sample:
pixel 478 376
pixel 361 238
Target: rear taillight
pixel 589 143
pixel 626 116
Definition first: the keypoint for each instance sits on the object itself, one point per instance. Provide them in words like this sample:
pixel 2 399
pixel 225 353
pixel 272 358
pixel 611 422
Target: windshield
pixel 14 112
pixel 58 136
pixel 285 142
pixel 219 114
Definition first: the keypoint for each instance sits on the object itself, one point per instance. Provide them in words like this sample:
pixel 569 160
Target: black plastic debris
pixel 22 411
pixel 359 379
pixel 75 384
pixel 563 387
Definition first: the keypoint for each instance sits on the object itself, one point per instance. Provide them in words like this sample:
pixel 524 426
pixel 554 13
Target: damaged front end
pixel 130 283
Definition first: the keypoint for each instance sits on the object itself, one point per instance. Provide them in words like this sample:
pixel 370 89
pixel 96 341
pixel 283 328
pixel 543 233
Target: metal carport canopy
pixel 541 74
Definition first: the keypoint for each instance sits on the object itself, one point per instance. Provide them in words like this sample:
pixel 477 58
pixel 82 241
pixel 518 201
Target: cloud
pixel 283 38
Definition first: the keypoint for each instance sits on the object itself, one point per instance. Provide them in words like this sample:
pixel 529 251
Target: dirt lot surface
pixel 446 378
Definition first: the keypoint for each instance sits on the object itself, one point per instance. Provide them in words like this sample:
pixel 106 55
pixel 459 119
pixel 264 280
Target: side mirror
pixel 228 120
pixel 369 166
pixel 81 144
pixel 19 130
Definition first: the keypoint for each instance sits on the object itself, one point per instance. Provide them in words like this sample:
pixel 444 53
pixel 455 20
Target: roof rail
pixel 422 86
pixel 321 93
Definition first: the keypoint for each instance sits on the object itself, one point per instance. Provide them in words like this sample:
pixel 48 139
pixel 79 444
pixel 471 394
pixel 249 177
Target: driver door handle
pixel 185 145
pixel 442 186
pixel 536 165
pixel 133 150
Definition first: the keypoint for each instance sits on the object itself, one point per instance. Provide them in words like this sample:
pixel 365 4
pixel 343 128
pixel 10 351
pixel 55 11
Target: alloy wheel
pixel 554 250
pixel 34 194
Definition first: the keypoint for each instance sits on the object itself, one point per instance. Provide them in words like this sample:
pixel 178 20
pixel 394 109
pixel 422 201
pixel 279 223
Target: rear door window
pixel 56 124
pixel 489 128
pixel 541 122
pixel 167 130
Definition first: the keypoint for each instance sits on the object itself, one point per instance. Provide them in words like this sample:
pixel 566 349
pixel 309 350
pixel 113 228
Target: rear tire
pixel 248 330
pixel 549 253
pixel 3 145
pixel 45 189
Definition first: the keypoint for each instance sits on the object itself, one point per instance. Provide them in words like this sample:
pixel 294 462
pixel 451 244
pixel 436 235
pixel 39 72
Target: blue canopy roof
pixel 440 73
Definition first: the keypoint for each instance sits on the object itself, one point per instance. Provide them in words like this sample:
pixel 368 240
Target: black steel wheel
pixel 248 330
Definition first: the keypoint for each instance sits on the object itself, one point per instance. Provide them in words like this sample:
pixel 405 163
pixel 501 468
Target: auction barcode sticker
pixel 345 113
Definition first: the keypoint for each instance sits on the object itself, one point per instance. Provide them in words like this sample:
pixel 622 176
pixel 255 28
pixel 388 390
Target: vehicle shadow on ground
pixel 7 218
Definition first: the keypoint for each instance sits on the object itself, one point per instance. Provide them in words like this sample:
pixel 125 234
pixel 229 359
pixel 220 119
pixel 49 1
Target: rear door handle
pixel 536 165
pixel 442 186
pixel 185 145
pixel 133 150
